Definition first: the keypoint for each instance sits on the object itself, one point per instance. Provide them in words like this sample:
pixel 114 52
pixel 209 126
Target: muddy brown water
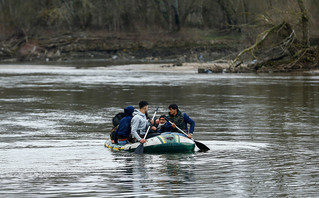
pixel 262 130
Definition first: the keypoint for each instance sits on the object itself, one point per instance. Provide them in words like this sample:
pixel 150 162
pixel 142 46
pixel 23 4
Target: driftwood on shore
pixel 278 48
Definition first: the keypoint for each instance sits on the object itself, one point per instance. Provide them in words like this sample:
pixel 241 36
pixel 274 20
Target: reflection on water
pixel 262 131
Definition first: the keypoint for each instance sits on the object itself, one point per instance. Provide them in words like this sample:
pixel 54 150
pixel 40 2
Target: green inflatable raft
pixel 165 143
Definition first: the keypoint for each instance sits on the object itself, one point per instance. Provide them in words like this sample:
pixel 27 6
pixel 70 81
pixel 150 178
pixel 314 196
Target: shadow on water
pixel 154 175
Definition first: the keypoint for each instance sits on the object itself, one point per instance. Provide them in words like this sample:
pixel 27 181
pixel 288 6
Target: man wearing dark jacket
pixel 123 131
pixel 159 124
pixel 180 120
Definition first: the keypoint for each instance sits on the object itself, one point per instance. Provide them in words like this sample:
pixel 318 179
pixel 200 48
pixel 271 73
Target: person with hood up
pixel 123 131
pixel 139 123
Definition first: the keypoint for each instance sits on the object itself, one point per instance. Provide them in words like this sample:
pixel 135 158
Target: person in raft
pixel 139 123
pixel 159 123
pixel 122 133
pixel 180 120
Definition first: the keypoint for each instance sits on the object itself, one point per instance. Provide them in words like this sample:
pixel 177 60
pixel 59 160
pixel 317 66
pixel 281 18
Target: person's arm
pixel 114 138
pixel 166 127
pixel 150 123
pixel 191 122
pixel 134 125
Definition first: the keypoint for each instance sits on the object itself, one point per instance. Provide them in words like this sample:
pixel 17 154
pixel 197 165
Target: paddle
pixel 200 145
pixel 140 148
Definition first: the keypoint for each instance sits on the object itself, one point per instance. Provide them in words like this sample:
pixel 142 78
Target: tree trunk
pixel 187 11
pixel 176 15
pixel 245 9
pixel 230 13
pixel 304 23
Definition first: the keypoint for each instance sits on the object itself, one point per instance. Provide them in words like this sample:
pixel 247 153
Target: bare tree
pixel 280 41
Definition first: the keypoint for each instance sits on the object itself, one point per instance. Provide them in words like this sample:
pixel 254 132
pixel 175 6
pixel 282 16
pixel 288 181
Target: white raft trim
pixel 157 140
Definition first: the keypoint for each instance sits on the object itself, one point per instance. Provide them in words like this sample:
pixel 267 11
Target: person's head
pixel 143 106
pixel 162 119
pixel 173 109
pixel 128 110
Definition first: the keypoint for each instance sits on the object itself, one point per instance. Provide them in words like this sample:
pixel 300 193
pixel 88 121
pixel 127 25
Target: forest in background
pixel 179 30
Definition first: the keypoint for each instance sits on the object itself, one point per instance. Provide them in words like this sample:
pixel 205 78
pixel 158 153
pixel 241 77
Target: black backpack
pixel 117 118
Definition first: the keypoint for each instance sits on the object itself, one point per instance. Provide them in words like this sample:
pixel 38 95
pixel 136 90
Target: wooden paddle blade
pixel 139 149
pixel 201 146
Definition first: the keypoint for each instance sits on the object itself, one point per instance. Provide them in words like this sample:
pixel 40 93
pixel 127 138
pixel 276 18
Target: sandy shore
pixel 189 68
pixel 313 72
pixel 184 68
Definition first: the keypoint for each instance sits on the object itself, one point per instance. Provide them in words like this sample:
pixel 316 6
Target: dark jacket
pixel 124 129
pixel 181 120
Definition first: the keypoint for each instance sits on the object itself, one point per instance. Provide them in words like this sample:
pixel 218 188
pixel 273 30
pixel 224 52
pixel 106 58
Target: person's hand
pixel 153 128
pixel 142 141
pixel 152 122
pixel 189 136
pixel 113 142
pixel 174 125
pixel 157 121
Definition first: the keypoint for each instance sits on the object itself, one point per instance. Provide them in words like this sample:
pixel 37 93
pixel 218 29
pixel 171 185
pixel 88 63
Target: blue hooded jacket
pixel 124 129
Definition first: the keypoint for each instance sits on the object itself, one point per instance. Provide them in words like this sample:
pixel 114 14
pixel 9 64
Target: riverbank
pixel 220 66
pixel 204 52
pixel 119 48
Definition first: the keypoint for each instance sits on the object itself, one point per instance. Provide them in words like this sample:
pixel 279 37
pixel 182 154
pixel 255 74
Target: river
pixel 262 130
